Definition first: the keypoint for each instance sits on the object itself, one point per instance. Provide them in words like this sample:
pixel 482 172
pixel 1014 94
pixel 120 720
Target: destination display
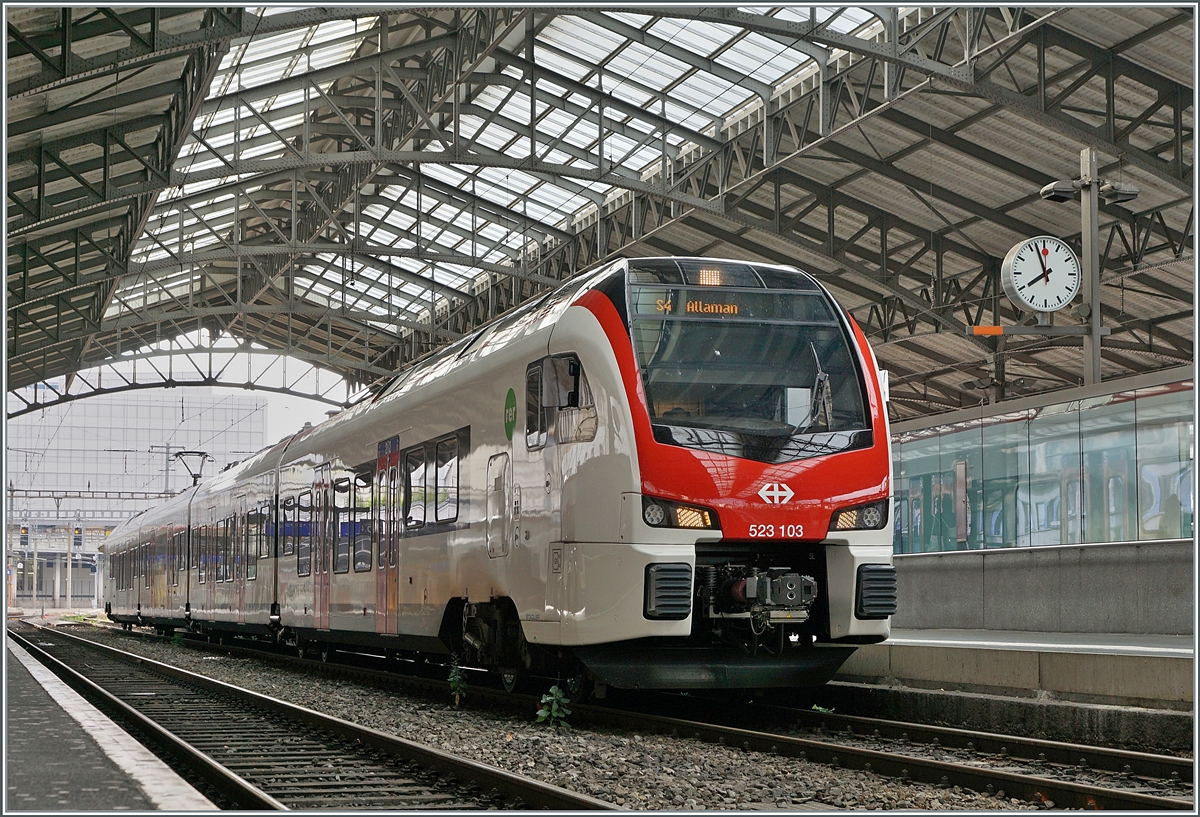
pixel 694 302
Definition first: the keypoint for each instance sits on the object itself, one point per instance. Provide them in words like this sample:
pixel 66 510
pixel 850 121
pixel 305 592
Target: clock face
pixel 1041 274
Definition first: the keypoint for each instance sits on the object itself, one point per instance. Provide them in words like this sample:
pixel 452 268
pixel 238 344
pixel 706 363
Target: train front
pixel 762 529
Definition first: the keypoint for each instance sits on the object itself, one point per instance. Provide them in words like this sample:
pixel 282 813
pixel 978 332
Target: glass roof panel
pixel 489 212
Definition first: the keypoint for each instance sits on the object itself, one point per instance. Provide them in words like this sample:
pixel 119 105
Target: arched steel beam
pixel 68 398
pixel 181 316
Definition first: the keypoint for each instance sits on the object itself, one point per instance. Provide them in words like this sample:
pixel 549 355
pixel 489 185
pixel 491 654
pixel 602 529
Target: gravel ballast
pixel 632 770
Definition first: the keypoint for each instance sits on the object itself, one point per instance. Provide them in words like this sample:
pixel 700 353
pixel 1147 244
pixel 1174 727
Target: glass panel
pixel 1107 469
pixel 414 494
pixel 1165 457
pixel 447 480
pixel 1109 442
pixel 1005 462
pixel 253 541
pixel 363 532
pixel 957 490
pixel 343 524
pixel 922 476
pixel 1054 472
pixel 535 418
pixel 267 530
pixel 289 526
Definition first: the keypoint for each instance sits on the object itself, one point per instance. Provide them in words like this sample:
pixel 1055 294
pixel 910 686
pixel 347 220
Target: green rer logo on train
pixel 510 413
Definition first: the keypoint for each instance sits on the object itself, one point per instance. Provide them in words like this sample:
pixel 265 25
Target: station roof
pixel 356 187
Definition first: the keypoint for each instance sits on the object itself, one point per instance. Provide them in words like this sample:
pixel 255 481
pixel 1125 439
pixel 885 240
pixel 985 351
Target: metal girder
pixel 314 189
pixel 197 365
pixel 149 42
pixel 960 59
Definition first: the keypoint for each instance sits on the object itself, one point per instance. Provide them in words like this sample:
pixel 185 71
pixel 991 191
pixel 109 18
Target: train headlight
pixel 659 513
pixel 872 516
pixel 654 514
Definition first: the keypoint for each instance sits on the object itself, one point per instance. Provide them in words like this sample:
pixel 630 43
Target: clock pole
pixel 1089 196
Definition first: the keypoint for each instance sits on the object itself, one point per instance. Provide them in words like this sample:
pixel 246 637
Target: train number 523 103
pixel 786 531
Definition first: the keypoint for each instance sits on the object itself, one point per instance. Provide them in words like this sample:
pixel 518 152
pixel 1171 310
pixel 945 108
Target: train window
pixel 304 532
pixel 577 421
pixel 217 568
pixel 146 565
pixel 380 513
pixel 201 553
pixel 253 538
pixel 288 521
pixel 535 417
pixel 343 521
pixel 266 543
pixel 363 521
pixel 194 549
pixel 414 488
pixel 446 489
pixel 176 557
pixel 393 516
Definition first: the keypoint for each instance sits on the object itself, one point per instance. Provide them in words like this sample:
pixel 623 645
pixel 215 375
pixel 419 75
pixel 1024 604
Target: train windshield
pixel 748 361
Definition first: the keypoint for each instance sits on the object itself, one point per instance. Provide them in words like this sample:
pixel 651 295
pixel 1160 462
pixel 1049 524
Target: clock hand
pixel 1041 260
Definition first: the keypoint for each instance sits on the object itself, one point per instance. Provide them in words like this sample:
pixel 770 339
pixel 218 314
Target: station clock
pixel 1041 274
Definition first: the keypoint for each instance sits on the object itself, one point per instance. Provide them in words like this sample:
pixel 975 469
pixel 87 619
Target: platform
pixel 1152 671
pixel 1133 691
pixel 63 754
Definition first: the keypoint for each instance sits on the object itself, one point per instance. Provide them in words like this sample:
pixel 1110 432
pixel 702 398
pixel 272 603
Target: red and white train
pixel 667 473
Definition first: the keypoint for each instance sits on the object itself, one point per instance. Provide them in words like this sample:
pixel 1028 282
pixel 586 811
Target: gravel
pixel 632 770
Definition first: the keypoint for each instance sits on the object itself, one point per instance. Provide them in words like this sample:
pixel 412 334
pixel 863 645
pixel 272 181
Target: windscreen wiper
pixel 820 394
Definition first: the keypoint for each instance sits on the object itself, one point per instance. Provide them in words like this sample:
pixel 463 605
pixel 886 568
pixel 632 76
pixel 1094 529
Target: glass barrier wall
pixel 1114 468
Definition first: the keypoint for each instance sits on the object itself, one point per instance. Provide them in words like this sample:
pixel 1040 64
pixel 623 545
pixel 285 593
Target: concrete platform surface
pixel 63 754
pixel 1151 671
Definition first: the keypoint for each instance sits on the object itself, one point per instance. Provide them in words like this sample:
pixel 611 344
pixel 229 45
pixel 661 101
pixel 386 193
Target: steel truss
pixel 314 215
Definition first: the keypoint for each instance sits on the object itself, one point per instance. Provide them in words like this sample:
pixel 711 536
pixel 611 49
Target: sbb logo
pixel 776 493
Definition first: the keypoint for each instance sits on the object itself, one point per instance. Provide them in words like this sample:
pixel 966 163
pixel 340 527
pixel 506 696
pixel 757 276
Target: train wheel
pixel 510 679
pixel 578 687
pixel 300 652
pixel 326 653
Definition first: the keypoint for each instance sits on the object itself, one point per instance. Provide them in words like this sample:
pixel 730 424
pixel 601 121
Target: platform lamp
pixel 1091 189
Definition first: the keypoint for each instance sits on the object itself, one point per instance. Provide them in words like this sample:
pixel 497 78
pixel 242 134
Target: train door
pixel 321 560
pixel 499 505
pixel 395 501
pixel 386 516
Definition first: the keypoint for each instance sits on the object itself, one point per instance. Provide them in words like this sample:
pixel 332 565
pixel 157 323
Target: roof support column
pixel 1089 195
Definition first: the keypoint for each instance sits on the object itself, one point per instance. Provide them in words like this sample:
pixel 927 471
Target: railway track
pixel 256 752
pixel 1044 772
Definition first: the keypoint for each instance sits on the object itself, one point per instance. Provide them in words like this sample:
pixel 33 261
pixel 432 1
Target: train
pixel 666 473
